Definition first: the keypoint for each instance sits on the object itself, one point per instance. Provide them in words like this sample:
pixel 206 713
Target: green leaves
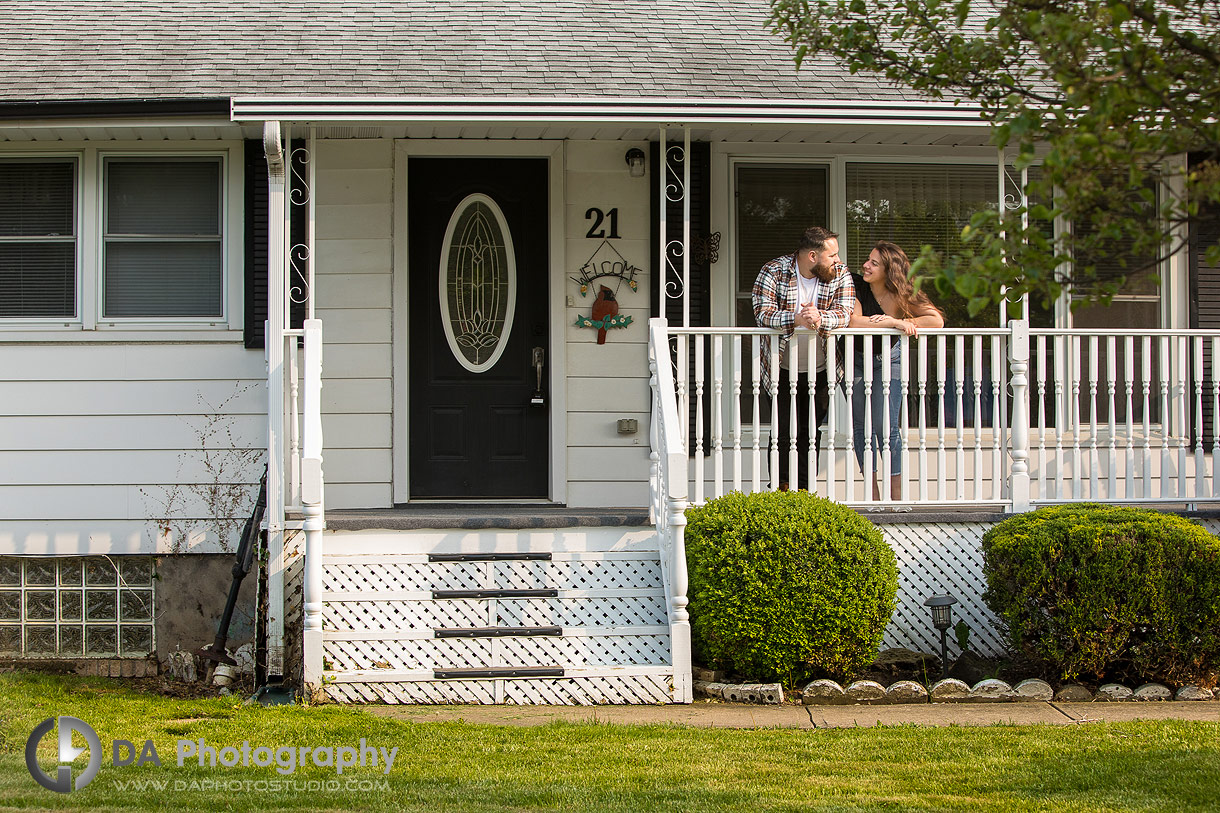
pixel 787 586
pixel 1107 592
pixel 1107 92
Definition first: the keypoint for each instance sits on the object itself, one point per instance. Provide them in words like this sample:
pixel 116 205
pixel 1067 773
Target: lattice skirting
pixel 579 691
pixel 489 653
pixel 937 558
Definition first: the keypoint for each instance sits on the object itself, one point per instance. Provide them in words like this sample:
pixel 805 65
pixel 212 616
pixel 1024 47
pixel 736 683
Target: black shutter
pixel 256 237
pixel 256 243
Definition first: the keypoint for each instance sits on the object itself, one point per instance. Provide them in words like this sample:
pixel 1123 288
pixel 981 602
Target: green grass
pixel 455 766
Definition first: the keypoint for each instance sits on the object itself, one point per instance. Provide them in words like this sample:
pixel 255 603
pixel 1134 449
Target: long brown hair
pixel 897 266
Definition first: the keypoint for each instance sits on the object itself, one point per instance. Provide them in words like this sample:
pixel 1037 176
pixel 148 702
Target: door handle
pixel 539 357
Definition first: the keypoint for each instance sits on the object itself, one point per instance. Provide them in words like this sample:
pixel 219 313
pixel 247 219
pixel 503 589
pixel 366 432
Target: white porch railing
pixel 1001 418
pixel 668 506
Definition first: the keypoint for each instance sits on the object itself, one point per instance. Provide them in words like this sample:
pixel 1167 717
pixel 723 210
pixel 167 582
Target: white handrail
pixel 669 502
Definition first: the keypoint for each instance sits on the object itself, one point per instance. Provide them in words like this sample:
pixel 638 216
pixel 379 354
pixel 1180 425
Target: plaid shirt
pixel 775 294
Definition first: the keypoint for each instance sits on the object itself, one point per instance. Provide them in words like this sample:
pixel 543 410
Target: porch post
pixel 312 502
pixel 274 343
pixel 1018 355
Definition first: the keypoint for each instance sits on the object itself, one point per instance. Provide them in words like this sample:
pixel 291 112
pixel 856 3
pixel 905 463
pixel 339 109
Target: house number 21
pixel 598 217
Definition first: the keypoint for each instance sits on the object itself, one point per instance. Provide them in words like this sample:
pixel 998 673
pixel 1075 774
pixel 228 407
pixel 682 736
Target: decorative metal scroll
pixel 675 192
pixel 300 273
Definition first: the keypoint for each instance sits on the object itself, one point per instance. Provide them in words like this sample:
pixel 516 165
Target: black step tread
pixel 503 672
pixel 489 557
pixel 512 593
pixel 494 632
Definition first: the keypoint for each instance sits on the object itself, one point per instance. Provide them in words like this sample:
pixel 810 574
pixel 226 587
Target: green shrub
pixel 787 586
pixel 1107 592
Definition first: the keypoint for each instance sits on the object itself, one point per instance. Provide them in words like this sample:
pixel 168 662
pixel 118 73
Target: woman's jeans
pixel 876 416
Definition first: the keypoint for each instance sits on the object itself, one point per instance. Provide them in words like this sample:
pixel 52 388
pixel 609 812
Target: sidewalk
pixel 709 714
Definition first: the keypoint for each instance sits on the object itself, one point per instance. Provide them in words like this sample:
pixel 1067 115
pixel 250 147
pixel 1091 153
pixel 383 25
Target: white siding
pixel 610 381
pixel 94 436
pixel 354 247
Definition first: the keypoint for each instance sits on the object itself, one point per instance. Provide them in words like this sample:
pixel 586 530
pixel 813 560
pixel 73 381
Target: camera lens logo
pixel 62 783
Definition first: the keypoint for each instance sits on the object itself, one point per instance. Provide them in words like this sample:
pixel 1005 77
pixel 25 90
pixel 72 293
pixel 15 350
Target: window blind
pixel 37 239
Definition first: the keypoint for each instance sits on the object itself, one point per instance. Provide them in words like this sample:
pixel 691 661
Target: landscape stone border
pixel 825 692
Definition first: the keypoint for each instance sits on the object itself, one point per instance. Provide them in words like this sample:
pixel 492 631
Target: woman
pixel 885 298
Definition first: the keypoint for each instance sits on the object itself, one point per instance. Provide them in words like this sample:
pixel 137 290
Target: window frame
pixel 74 159
pixel 90 247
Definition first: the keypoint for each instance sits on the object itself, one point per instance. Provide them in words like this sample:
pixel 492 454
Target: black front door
pixel 478 327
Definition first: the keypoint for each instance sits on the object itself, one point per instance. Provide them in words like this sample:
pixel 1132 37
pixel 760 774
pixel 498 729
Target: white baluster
pixel 1196 426
pixel 1111 383
pixel 718 414
pixel 1146 346
pixel 977 346
pixel 756 416
pixel 1041 388
pixel 1166 418
pixel 922 389
pixel 736 362
pixel 1129 376
pixel 1094 446
pixel 698 453
pixel 941 404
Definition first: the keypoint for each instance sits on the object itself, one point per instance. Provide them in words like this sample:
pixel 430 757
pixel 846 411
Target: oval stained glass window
pixel 478 283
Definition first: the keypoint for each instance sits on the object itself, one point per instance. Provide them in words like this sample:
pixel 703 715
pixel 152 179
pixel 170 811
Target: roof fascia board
pixel 604 111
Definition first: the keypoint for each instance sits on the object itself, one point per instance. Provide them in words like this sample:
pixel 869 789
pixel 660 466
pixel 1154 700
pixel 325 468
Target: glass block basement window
pixel 91 607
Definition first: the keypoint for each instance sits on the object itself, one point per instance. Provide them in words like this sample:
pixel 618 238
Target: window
pixel 775 204
pixel 38 238
pixel 163 254
pixel 915 205
pixel 100 238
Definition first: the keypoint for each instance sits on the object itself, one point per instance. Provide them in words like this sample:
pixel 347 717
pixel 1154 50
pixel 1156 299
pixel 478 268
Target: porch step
pixel 496 632
pixel 505 672
pixel 505 593
pixel 572 616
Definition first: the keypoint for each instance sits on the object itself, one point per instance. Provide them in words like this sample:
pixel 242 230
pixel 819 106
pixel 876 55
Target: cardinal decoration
pixel 606 263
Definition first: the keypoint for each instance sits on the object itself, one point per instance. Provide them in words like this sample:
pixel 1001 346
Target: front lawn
pixel 455 766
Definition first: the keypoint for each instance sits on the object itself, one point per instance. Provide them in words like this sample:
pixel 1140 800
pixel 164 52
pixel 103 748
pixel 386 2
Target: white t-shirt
pixel 806 293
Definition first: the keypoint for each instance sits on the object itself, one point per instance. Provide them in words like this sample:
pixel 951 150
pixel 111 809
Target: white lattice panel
pixel 486 653
pixel 583 691
pixel 403 576
pixel 408 615
pixel 582 574
pixel 938 558
pixel 618 611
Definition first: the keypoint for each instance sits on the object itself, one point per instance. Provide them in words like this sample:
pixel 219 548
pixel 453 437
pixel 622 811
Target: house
pixel 474 285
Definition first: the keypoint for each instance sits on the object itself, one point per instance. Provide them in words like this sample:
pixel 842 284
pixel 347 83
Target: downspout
pixel 274 342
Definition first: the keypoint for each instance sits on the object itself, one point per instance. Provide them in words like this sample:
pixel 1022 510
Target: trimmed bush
pixel 787 586
pixel 1107 592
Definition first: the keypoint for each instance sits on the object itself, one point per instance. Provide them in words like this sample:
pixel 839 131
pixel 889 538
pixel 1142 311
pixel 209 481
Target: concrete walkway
pixel 709 714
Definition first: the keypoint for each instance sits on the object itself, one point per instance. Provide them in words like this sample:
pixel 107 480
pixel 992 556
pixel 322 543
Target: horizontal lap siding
pixel 94 437
pixel 606 382
pixel 354 247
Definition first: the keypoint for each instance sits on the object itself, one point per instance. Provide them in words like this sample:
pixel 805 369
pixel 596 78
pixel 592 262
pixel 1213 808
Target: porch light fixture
pixel 942 617
pixel 635 160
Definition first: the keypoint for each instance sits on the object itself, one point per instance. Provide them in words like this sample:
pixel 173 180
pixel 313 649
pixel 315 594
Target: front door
pixel 478 328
